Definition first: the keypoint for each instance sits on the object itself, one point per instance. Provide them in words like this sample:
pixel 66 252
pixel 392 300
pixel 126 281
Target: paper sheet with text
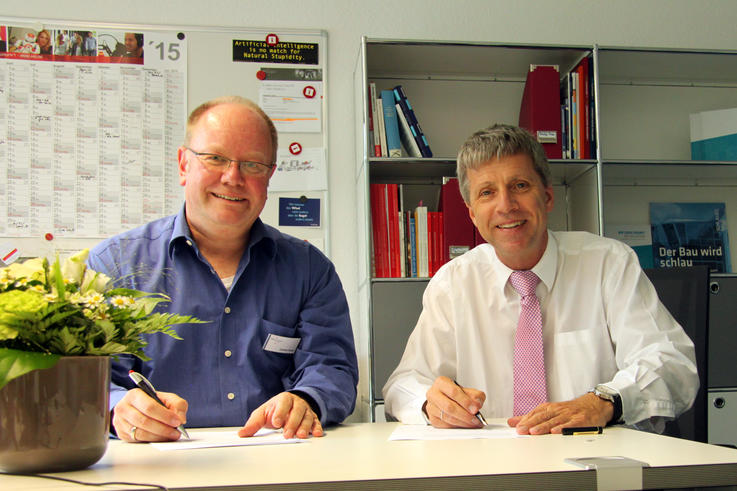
pixel 427 432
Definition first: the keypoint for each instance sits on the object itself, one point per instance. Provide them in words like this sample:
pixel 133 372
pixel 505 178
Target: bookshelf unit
pixel 645 99
pixel 642 101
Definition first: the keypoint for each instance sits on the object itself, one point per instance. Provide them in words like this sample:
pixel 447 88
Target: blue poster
pixel 299 212
pixel 689 234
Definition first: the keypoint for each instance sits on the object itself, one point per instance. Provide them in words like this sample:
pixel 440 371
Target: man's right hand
pixel 449 405
pixel 152 421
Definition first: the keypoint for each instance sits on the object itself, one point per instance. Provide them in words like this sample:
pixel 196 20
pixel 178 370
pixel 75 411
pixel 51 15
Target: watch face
pixel 606 392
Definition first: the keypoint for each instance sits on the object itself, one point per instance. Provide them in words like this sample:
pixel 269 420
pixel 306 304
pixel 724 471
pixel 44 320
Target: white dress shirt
pixel 602 324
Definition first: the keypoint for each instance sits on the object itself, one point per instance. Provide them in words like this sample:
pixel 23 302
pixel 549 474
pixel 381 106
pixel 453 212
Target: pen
pixel 478 414
pixel 143 384
pixel 583 430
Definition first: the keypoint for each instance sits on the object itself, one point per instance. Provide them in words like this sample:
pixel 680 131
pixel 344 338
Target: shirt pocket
pixel 277 339
pixel 583 358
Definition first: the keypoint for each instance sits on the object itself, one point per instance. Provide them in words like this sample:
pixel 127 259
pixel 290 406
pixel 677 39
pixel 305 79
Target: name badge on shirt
pixel 281 344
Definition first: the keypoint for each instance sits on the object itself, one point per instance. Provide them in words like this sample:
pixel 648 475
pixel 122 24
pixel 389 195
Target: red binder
pixel 379 231
pixel 540 109
pixel 458 229
pixel 392 216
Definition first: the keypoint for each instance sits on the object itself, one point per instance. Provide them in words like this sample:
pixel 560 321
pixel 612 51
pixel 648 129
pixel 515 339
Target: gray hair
pixel 494 142
pixel 200 110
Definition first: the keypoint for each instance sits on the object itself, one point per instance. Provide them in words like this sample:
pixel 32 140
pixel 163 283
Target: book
pixel 638 237
pixel 402 245
pixel 412 244
pixel 382 130
pixel 435 241
pixel 374 123
pixel 714 135
pixel 405 134
pixel 403 273
pixel 440 240
pixel 540 108
pixel 392 217
pixel 565 116
pixel 688 234
pixel 379 235
pixel 591 113
pixel 575 149
pixel 401 98
pixel 421 240
pixel 430 243
pixel 582 108
pixel 391 127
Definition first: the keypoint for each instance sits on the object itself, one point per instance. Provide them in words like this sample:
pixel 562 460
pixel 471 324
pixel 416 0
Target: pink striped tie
pixel 529 360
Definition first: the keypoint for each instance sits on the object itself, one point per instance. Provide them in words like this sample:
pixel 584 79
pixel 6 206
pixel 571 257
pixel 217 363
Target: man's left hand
pixel 287 411
pixel 552 417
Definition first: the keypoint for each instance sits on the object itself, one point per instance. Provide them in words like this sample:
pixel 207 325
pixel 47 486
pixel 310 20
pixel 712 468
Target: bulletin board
pixel 92 114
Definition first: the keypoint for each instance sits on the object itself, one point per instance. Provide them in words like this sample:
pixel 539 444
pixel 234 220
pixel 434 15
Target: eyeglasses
pixel 213 161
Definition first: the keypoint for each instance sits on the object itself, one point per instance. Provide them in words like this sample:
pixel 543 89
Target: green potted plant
pixel 60 323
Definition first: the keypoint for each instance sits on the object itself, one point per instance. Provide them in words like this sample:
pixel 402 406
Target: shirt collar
pixel 544 269
pixel 260 234
pixel 548 264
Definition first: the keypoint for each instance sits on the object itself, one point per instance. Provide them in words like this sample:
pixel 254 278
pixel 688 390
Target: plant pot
pixel 56 419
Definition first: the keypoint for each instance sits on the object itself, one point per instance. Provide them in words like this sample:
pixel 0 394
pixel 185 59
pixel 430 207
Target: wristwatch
pixel 611 395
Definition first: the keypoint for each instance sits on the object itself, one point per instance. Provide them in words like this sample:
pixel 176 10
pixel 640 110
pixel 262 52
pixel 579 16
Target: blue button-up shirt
pixel 225 368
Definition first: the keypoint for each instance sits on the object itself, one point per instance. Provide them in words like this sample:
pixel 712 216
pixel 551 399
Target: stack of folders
pixel 415 243
pixel 577 112
pixel 405 244
pixel 393 125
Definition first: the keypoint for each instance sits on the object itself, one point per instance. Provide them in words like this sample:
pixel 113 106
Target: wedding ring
pixel 133 433
pixel 441 415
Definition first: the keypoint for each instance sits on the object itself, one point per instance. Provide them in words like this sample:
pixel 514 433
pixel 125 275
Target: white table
pixel 359 456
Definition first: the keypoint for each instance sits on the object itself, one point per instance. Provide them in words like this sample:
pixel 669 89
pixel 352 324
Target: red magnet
pixel 272 39
pixel 295 148
pixel 309 91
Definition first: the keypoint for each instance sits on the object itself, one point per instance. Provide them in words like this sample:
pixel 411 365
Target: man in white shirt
pixel 612 352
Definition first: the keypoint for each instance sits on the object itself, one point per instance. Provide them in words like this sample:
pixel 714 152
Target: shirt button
pixel 228 353
pixel 189 243
pixel 231 396
pixel 227 310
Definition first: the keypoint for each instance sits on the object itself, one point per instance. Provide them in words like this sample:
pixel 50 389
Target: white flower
pixel 93 281
pixel 32 269
pixel 74 266
pixel 38 288
pixel 119 301
pixel 77 298
pixel 94 299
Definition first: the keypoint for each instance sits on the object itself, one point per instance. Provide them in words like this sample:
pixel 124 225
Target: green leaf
pixel 58 277
pixel 14 363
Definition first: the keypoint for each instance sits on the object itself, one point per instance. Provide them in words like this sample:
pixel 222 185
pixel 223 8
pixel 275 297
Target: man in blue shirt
pixel 90 44
pixel 278 346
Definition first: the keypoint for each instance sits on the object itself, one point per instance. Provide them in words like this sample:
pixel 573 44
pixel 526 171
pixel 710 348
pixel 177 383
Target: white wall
pixel 705 24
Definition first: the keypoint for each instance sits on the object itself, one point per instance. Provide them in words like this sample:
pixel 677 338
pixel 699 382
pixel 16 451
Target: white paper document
pixel 303 172
pixel 427 432
pixel 210 439
pixel 293 106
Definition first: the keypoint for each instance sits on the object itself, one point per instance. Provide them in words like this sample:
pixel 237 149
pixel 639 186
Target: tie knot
pixel 524 282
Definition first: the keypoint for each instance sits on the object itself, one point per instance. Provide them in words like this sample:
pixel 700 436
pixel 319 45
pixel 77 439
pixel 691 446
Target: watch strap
pixel 604 392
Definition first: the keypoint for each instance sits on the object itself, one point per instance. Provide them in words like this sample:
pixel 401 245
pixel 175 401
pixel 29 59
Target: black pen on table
pixel 143 384
pixel 582 430
pixel 478 414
